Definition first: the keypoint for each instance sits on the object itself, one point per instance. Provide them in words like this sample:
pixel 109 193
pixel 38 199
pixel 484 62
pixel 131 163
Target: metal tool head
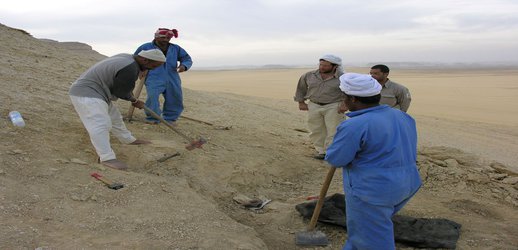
pixel 115 186
pixel 311 238
pixel 196 144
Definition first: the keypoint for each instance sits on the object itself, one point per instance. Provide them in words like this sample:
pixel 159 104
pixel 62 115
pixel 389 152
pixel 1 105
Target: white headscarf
pixel 332 59
pixel 153 54
pixel 361 85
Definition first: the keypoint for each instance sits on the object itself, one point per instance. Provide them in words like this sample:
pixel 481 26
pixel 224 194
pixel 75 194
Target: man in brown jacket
pixel 321 88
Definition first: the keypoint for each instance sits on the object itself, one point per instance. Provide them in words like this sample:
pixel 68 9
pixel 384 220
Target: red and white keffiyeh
pixel 169 33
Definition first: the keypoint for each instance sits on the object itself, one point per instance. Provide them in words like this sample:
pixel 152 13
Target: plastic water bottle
pixel 17 118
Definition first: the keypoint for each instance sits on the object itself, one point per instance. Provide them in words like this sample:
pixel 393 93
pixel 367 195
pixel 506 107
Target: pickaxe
pixel 192 143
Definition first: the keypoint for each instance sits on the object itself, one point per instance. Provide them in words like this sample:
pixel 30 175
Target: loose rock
pixel 510 180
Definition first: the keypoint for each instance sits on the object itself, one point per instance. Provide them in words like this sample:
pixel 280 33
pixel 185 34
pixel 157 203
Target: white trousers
pixel 99 118
pixel 322 123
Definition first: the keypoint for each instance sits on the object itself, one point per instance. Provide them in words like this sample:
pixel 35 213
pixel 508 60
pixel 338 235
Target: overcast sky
pixel 258 32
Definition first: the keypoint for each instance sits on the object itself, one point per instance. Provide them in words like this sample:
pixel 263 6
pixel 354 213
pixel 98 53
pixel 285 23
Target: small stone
pixel 511 200
pixel 75 197
pixel 487 169
pixel 461 186
pixel 77 161
pixel 472 177
pixel 506 180
pixel 496 191
pixel 62 161
pixel 451 163
pixel 498 176
pixel 15 152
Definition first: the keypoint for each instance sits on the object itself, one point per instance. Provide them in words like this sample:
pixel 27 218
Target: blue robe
pixel 377 149
pixel 166 81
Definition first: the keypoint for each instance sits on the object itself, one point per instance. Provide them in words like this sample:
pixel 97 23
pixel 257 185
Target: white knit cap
pixel 153 54
pixel 361 85
pixel 332 59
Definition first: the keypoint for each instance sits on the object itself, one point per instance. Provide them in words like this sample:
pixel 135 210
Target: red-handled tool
pixel 108 183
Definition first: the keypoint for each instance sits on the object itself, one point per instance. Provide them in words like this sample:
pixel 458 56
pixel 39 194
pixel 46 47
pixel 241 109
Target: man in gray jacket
pixel 94 91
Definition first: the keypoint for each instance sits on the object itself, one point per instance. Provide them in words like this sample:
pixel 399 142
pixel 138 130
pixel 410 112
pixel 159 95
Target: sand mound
pixel 48 198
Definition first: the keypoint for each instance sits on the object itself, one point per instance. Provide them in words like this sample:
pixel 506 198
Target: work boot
pixel 115 164
pixel 140 142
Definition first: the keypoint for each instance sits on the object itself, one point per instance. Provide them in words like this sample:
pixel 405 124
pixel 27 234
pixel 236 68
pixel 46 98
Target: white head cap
pixel 332 59
pixel 361 85
pixel 153 54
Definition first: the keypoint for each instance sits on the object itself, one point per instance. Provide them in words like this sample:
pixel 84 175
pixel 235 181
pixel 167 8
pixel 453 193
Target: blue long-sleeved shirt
pixel 167 71
pixel 377 147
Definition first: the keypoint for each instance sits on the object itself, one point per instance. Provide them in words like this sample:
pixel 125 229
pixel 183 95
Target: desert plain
pixel 476 108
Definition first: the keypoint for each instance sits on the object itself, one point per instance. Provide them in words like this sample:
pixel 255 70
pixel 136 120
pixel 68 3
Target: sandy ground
pixel 474 110
pixel 49 201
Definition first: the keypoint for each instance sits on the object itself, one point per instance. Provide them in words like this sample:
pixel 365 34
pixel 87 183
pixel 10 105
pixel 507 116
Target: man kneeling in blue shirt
pixel 377 149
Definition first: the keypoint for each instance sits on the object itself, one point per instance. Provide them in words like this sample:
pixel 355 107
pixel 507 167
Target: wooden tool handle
pixel 196 120
pixel 101 178
pixel 321 198
pixel 155 115
pixel 138 89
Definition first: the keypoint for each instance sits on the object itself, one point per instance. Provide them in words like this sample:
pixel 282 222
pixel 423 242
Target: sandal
pixel 115 164
pixel 140 142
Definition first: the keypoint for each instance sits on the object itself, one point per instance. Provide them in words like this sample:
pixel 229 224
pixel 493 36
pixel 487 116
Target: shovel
pixel 311 237
pixel 192 143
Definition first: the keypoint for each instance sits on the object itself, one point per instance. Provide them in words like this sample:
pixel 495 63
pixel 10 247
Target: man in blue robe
pixel 165 80
pixel 377 149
